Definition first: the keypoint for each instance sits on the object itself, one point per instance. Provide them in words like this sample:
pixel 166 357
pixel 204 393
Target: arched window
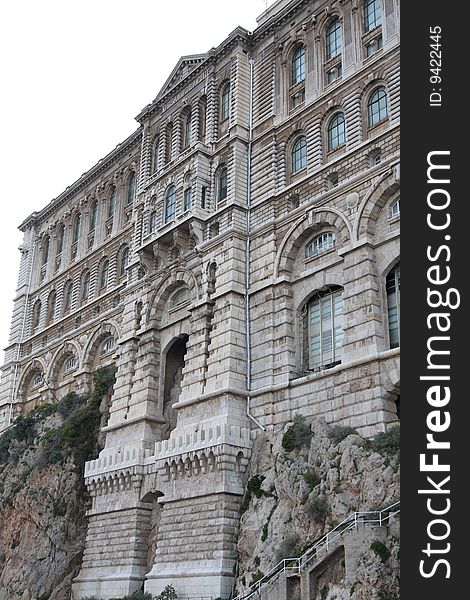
pixel 186 130
pixel 321 243
pixel 169 142
pixel 153 221
pixel 333 39
pixel 131 188
pixel 68 292
pixel 36 315
pixel 170 204
pixel 123 262
pixel 372 14
pixel 392 285
pixel 104 273
pixel 112 202
pixel 85 285
pixel 108 346
pixel 93 215
pixel 395 208
pixel 187 199
pixel 156 145
pixel 377 109
pixel 299 154
pixel 51 305
pixel 202 118
pixel 336 132
pixel 222 187
pixel 225 102
pixel 76 228
pixel 45 249
pixel 60 239
pixel 324 329
pixel 298 65
pixel 179 297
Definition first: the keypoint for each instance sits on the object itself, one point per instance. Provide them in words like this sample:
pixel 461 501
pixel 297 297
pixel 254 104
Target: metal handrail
pixel 297 564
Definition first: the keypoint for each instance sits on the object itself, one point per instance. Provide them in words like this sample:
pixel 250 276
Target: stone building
pixel 237 259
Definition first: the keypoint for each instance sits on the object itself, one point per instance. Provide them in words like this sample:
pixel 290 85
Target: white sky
pixel 74 74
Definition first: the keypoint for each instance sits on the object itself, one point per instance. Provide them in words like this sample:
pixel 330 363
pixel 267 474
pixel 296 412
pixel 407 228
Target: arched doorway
pixel 174 363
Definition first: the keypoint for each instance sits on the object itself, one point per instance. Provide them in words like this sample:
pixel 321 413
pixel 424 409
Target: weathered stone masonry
pixel 142 263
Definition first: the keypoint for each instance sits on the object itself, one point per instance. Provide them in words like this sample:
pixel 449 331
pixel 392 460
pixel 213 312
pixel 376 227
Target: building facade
pixel 237 260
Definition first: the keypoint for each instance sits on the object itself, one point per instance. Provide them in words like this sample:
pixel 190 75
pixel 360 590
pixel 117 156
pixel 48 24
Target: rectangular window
pixel 325 331
pixel 187 202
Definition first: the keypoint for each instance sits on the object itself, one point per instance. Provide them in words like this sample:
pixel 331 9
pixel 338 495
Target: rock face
pixel 304 482
pixel 43 498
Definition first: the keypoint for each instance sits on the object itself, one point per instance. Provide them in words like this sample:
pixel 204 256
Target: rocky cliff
pixel 305 481
pixel 42 495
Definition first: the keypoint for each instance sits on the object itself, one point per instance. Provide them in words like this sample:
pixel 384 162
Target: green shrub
pixel 299 434
pixel 318 509
pixel 68 404
pixel 385 443
pixel 254 485
pixel 312 479
pixel 380 550
pixel 338 433
pixel 168 593
pixel 256 577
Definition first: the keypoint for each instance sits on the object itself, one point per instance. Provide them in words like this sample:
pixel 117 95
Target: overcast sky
pixel 74 75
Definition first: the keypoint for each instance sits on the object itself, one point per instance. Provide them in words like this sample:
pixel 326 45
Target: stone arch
pixel 27 375
pixel 104 330
pixel 64 353
pixel 178 277
pixel 306 226
pixel 370 207
pixel 173 357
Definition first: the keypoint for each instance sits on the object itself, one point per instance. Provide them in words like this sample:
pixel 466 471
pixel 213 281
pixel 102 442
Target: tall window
pixel 36 314
pixel 68 291
pixel 156 146
pixel 336 132
pixel 372 14
pixel 169 142
pixel 153 221
pixel 131 188
pixel 112 202
pixel 222 188
pixel 395 208
pixel 60 239
pixel 186 130
pixel 85 285
pixel 225 102
pixel 377 109
pixel 76 228
pixel 104 272
pixel 51 307
pixel 170 204
pixel 392 285
pixel 187 200
pixel 298 65
pixel 202 118
pixel 299 154
pixel 93 215
pixel 333 39
pixel 45 249
pixel 325 328
pixel 123 262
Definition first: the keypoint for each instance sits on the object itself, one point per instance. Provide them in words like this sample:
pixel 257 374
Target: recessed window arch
pixel 323 328
pixel 186 119
pixel 298 65
pixel 299 154
pixel 60 239
pixel 104 274
pixel 202 118
pixel 76 227
pixel 107 347
pixel 377 107
pixel 187 199
pixel 372 14
pixel 153 221
pixel 170 204
pixel 222 184
pixel 333 39
pixel 155 149
pixel 51 306
pixel 131 188
pixel 124 259
pixel 321 243
pixel 168 142
pixel 93 215
pixel 336 131
pixel 68 295
pixel 85 287
pixel 45 249
pixel 112 202
pixel 36 315
pixel 394 211
pixel 392 285
pixel 225 102
pixel 181 296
